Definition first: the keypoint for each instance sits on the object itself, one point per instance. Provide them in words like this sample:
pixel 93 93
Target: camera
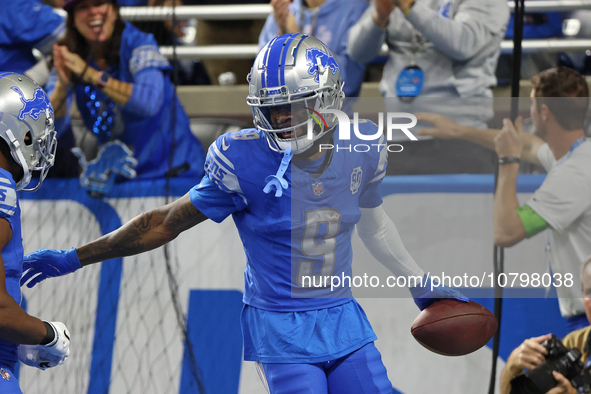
pixel 540 380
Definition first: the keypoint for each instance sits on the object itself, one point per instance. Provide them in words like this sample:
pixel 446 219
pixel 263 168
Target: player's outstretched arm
pixel 445 128
pixel 141 234
pixel 145 232
pixel 380 236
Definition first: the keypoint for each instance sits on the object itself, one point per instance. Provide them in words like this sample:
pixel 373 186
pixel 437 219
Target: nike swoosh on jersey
pixel 224 145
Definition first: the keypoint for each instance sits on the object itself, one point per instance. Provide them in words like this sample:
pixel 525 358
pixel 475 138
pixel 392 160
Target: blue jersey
pixel 24 25
pixel 306 232
pixel 12 254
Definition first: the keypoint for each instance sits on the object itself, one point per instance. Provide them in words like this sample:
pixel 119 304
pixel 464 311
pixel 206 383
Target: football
pixel 454 328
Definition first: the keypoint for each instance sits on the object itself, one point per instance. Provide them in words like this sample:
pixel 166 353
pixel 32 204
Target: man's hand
pixel 47 356
pixel 528 355
pixel 283 17
pixel 48 263
pixel 431 292
pixel 509 142
pixel 443 127
pixel 384 8
pixel 563 387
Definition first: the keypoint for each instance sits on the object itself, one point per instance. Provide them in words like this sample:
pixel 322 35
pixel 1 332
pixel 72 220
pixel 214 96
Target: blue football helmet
pixel 294 77
pixel 26 124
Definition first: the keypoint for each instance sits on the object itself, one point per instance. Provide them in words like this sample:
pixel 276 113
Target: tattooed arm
pixel 145 232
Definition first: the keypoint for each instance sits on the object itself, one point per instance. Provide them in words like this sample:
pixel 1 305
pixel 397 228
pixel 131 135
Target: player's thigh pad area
pixel 8 382
pixel 359 372
pixel 295 378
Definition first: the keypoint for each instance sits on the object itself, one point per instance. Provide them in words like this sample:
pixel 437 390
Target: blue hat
pixel 69 5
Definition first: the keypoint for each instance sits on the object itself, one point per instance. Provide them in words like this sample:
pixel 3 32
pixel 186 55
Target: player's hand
pixel 429 291
pixel 381 16
pixel 528 355
pixel 508 142
pixel 48 263
pixel 38 357
pixel 563 386
pixel 47 356
pixel 443 127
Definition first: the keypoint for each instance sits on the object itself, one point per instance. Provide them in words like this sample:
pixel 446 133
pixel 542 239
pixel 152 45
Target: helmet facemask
pixel 33 152
pixel 298 123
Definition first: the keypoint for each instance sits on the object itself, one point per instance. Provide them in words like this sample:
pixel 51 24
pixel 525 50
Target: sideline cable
pixel 172 281
pixel 498 252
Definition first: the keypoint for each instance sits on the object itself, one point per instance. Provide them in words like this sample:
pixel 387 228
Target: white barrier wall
pixel 136 346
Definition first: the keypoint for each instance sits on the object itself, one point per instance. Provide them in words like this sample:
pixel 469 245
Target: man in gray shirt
pixel 442 56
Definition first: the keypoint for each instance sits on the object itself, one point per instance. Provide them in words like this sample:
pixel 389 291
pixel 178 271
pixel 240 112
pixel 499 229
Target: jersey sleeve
pixel 145 54
pixel 219 194
pixel 371 195
pixel 8 201
pixel 37 24
pixel 563 197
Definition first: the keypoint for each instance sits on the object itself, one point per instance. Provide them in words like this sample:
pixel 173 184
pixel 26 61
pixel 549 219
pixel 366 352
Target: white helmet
pixel 26 124
pixel 293 77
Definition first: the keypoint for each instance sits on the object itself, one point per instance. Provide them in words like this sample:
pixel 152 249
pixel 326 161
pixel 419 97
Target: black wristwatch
pixel 509 160
pixel 103 79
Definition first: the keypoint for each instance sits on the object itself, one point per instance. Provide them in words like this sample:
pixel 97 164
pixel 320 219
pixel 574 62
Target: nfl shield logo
pixel 317 188
pixel 356 176
pixel 4 373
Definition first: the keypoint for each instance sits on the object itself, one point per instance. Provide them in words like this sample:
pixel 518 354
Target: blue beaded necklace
pixel 100 108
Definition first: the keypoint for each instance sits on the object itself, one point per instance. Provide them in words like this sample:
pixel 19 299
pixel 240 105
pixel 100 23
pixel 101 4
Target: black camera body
pixel 540 380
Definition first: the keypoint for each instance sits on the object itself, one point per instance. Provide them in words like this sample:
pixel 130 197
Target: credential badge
pixel 317 188
pixel 356 176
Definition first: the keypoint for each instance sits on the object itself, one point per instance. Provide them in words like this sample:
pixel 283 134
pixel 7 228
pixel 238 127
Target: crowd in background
pixel 453 47
pixel 444 57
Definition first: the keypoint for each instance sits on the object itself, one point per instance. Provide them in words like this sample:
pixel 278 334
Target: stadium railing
pixel 261 11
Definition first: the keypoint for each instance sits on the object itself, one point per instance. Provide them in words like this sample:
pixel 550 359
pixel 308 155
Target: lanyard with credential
pixel 303 17
pixel 574 146
pixel 411 78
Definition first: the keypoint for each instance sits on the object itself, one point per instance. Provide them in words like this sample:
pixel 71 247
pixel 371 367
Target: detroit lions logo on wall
pixel 98 176
pixel 314 56
pixel 33 107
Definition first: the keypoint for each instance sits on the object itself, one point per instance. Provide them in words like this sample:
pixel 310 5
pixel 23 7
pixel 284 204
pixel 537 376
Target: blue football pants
pixel 8 382
pixel 360 372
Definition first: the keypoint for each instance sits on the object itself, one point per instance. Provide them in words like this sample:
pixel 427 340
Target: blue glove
pixel 48 263
pixel 431 292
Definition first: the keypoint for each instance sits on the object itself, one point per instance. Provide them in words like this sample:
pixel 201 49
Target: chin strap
pixel 277 181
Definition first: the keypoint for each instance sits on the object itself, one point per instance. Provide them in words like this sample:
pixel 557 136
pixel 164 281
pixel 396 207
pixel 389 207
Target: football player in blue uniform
pixel 27 144
pixel 295 206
